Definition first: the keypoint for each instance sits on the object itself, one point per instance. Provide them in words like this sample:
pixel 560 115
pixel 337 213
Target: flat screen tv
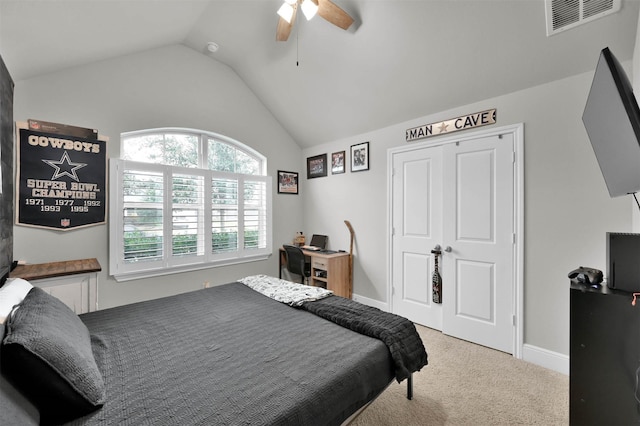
pixel 612 120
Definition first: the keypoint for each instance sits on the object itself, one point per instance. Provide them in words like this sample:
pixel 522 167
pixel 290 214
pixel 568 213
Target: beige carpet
pixel 468 384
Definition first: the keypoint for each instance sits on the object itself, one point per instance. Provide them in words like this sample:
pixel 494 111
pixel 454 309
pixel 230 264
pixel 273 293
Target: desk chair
pixel 296 262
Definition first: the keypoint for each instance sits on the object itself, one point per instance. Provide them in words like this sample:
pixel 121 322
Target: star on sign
pixel 443 127
pixel 65 167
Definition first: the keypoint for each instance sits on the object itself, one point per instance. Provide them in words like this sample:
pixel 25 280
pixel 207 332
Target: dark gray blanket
pixel 398 333
pixel 15 409
pixel 230 356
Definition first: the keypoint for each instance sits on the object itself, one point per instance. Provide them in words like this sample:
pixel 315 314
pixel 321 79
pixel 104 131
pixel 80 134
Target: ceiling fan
pixel 325 8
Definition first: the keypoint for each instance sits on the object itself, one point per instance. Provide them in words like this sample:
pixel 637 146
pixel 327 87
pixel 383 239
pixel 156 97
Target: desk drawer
pixel 319 264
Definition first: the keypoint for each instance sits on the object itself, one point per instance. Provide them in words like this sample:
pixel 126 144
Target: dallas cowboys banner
pixel 61 179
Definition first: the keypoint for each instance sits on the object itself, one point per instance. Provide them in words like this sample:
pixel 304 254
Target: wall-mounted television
pixel 612 120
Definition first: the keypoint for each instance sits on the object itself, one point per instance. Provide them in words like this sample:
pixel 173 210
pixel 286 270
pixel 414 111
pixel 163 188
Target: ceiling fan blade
pixel 332 13
pixel 284 28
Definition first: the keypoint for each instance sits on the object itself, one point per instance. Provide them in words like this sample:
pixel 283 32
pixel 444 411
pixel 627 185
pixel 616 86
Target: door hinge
pixel 513 238
pixel 513 320
pixel 393 291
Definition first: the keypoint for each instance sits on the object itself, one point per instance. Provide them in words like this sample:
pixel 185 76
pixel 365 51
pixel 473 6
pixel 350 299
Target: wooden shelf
pixel 74 282
pixel 38 271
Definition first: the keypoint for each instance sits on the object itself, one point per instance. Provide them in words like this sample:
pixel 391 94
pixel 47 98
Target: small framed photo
pixel 360 157
pixel 337 162
pixel 287 182
pixel 317 166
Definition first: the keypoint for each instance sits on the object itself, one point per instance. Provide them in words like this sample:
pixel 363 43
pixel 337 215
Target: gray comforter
pixel 230 356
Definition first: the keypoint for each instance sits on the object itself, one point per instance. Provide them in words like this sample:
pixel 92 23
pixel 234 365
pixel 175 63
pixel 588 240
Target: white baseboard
pixel 546 358
pixel 371 302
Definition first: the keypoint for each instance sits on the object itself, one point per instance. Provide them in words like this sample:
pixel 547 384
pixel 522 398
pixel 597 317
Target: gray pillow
pixel 46 354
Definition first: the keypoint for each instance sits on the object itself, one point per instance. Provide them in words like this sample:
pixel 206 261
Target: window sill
pixel 157 272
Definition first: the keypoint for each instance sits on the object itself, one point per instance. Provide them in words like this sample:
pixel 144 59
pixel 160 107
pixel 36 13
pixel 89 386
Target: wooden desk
pixel 330 271
pixel 74 282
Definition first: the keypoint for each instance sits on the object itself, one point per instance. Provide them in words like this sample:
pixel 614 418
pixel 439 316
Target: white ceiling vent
pixel 565 14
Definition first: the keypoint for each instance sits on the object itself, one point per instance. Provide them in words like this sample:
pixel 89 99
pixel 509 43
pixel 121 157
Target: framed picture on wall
pixel 337 162
pixel 317 166
pixel 287 182
pixel 360 157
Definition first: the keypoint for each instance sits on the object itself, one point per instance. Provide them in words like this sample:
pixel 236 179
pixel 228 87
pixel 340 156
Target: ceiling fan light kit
pixel 286 12
pixel 325 8
pixel 309 8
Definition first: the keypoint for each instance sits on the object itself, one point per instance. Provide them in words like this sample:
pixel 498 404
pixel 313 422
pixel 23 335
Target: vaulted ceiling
pixel 401 59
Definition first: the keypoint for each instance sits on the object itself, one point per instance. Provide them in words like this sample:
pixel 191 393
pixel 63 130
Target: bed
pixel 234 354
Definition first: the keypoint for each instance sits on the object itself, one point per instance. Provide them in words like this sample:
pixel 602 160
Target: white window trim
pixel 169 264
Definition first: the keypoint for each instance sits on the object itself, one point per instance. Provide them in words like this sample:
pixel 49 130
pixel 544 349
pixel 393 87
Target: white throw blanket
pixel 285 291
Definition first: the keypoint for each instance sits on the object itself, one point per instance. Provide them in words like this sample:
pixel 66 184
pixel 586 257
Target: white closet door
pixel 417 228
pixel 460 196
pixel 479 228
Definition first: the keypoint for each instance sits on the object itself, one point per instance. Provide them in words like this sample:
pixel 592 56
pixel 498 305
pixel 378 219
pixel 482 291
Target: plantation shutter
pixel 224 215
pixel 142 216
pixel 255 214
pixel 187 226
pixel 177 218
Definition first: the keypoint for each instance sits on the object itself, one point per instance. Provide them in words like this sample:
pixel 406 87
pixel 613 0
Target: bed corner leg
pixel 410 387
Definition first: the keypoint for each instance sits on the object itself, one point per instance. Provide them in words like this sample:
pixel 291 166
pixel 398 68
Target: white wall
pixel 567 207
pixel 168 87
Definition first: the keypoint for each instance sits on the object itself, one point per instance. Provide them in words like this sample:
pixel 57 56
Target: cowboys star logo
pixel 65 167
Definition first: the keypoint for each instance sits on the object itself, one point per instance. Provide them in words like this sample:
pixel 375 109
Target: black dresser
pixel 604 357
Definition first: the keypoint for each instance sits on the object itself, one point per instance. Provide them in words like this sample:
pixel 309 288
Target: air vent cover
pixel 565 14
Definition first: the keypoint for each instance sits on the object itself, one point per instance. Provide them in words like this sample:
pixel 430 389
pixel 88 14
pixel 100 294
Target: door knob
pixel 447 249
pixel 437 247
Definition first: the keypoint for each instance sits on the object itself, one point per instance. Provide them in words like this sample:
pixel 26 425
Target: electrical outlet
pixel 206 284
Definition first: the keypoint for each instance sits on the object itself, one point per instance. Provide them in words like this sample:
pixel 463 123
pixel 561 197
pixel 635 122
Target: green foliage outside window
pixel 177 149
pixel 185 244
pixel 140 245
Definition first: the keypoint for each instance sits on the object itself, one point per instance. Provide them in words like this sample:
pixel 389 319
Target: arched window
pixel 185 199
